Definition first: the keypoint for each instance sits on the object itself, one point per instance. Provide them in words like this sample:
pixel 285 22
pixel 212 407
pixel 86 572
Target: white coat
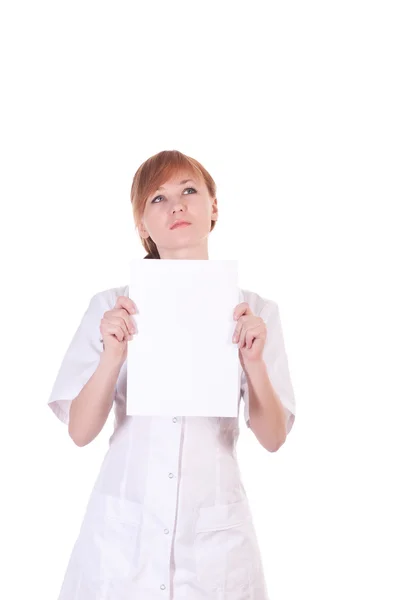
pixel 168 517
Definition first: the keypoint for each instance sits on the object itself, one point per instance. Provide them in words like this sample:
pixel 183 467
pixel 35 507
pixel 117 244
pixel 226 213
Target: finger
pixel 118 322
pixel 124 324
pixel 252 334
pixel 113 329
pixel 126 303
pixel 242 337
pixel 242 309
pixel 129 320
pixel 121 313
pixel 238 328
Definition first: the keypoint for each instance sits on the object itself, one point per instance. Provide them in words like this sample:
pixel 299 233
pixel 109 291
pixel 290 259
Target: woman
pixel 168 516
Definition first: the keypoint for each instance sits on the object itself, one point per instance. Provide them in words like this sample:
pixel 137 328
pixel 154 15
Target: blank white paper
pixel 182 361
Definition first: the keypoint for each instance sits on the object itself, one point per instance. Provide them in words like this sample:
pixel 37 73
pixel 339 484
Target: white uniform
pixel 168 517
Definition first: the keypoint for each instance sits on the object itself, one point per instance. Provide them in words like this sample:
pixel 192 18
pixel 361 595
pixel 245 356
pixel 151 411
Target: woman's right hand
pixel 118 328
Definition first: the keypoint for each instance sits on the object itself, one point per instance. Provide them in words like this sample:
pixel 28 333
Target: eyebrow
pixel 181 183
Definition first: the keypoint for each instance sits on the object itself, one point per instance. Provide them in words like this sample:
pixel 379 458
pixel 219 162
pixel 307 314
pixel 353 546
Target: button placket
pixel 165 452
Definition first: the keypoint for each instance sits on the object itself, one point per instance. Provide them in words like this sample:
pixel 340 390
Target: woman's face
pixel 184 197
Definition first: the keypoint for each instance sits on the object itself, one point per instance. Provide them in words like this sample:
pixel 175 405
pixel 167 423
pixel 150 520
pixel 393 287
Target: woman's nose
pixel 178 207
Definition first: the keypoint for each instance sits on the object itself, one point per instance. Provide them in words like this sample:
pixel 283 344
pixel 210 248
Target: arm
pixel 267 415
pixel 91 407
pixel 267 388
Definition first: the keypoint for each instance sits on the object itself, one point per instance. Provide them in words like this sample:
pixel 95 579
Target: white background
pixel 292 107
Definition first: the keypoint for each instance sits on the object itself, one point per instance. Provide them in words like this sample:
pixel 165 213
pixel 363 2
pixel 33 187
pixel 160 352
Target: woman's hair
pixel 155 171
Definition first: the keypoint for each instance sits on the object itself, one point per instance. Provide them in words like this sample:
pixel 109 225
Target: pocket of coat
pixel 223 547
pixel 109 540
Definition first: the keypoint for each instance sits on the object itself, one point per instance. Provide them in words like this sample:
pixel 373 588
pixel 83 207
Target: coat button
pixel 174 419
pixel 162 587
pixel 166 531
pixel 171 475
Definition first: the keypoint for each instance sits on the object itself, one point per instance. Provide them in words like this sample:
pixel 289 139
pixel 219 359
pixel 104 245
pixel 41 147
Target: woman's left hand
pixel 250 333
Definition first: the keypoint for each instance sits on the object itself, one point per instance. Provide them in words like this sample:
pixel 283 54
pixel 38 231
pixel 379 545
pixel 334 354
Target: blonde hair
pixel 155 171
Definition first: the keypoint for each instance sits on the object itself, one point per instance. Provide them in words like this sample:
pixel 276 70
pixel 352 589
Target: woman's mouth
pixel 180 224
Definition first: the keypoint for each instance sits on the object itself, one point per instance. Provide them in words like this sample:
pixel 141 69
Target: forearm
pixel 90 409
pixel 267 416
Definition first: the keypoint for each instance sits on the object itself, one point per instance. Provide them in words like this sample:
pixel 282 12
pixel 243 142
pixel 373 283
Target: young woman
pixel 168 517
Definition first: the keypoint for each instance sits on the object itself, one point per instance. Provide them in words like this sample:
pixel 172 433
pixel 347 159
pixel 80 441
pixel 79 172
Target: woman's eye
pixel 153 201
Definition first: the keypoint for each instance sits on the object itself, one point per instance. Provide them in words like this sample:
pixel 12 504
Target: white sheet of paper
pixel 182 361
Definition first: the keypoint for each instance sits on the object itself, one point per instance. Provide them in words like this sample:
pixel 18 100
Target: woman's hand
pixel 250 333
pixel 117 328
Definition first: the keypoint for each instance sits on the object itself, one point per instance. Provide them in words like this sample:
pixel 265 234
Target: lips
pixel 179 224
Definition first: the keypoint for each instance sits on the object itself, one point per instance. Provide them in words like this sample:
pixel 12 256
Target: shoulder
pixel 258 304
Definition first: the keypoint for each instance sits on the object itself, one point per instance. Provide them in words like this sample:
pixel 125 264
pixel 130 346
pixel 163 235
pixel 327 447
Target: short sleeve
pixel 275 358
pixel 80 361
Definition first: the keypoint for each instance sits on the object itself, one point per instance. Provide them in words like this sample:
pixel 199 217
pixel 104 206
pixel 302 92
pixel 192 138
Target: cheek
pixel 202 211
pixel 202 221
pixel 154 220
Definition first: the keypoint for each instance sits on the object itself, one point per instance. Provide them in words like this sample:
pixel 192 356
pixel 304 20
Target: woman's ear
pixel 214 210
pixel 142 231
